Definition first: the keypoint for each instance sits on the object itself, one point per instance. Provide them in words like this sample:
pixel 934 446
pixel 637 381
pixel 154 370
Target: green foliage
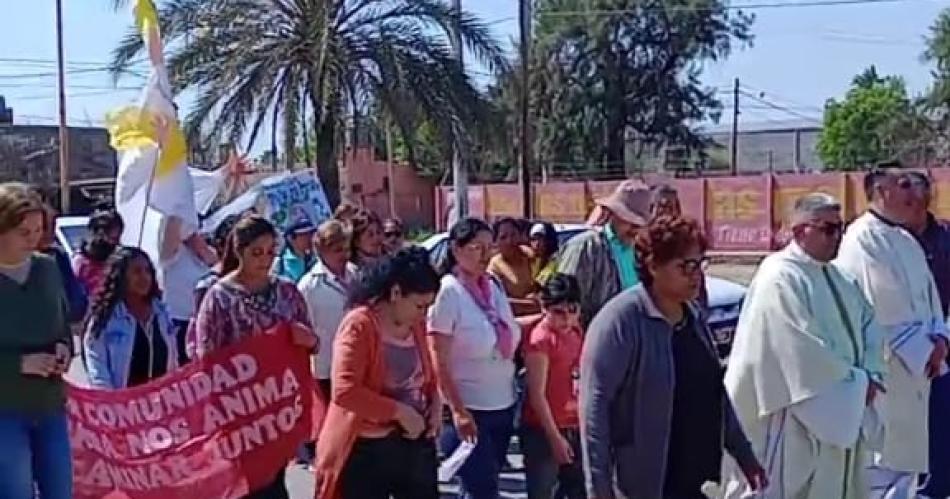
pixel 637 70
pixel 876 121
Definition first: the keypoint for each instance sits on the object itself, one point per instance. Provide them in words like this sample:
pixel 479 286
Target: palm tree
pixel 252 60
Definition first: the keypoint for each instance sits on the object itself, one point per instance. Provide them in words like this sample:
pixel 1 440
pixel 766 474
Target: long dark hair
pixel 359 225
pixel 246 231
pixel 97 246
pixel 462 233
pixel 407 268
pixel 114 290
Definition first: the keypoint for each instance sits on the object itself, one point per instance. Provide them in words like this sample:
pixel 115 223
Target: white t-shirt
pixel 177 278
pixel 326 298
pixel 485 380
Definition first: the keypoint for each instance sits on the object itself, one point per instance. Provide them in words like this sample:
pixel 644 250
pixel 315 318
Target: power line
pixel 774 95
pixel 14 99
pixel 15 76
pixel 778 107
pixel 69 86
pixel 749 6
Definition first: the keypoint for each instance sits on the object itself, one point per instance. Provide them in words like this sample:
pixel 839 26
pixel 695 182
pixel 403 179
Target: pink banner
pixel 503 200
pixel 787 189
pixel 737 213
pixel 941 196
pixel 692 195
pixel 560 202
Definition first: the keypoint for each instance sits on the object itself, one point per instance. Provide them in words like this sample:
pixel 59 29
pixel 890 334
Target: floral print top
pixel 229 313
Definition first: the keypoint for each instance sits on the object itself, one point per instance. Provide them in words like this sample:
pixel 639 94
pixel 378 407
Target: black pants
pixel 181 337
pixel 393 466
pixel 274 490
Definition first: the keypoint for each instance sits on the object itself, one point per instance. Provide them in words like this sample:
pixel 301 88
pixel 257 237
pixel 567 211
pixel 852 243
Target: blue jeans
pixel 36 456
pixel 480 473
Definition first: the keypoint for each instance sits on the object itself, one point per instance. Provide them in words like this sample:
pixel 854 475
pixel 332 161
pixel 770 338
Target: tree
pixel 875 122
pixel 254 60
pixel 628 66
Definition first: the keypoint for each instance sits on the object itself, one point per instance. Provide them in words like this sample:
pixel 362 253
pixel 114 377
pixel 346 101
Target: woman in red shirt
pixel 550 435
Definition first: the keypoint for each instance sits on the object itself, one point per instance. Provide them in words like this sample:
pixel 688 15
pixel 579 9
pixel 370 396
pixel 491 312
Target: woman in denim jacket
pixel 130 338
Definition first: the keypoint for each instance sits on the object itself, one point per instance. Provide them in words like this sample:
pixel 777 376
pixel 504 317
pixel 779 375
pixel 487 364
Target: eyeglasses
pixel 828 229
pixel 692 265
pixel 392 234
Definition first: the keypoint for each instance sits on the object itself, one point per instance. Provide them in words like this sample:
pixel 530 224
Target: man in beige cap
pixel 603 259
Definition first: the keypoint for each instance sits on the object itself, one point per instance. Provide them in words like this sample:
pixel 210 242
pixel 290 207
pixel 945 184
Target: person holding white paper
pixel 891 269
pixel 806 365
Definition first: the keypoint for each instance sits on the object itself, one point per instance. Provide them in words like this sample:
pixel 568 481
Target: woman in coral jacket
pixel 378 438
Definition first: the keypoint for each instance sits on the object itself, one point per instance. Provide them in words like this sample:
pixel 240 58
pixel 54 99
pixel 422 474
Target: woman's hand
pixel 64 356
pixel 561 449
pixel 434 421
pixel 303 336
pixel 38 364
pixel 465 425
pixel 411 421
pixel 756 476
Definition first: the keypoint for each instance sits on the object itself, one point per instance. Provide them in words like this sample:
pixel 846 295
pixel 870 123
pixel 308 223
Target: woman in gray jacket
pixel 654 415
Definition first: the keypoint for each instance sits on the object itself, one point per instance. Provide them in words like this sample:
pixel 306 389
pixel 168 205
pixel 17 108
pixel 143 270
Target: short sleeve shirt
pixel 484 379
pixel 563 350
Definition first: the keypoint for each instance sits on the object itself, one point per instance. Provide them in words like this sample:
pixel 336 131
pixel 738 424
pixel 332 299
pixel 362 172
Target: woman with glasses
pixel 474 336
pixel 659 427
pixel 394 238
pixel 550 430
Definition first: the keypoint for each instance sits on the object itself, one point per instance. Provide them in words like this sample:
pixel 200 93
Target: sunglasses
pixel 829 229
pixel 392 234
pixel 692 265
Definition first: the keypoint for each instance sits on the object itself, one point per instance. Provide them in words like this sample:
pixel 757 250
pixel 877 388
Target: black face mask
pixel 100 249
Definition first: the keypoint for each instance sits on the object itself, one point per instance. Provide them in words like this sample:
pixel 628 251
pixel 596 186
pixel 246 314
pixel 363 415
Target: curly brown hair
pixel 666 238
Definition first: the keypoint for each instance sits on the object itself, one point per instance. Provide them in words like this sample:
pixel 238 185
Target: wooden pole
pixel 526 39
pixel 391 170
pixel 459 171
pixel 734 163
pixel 63 126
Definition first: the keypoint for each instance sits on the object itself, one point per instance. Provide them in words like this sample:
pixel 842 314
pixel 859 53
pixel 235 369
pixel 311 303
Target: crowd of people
pixel 596 356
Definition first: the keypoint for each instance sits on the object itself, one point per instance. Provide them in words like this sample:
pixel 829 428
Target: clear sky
pixel 801 56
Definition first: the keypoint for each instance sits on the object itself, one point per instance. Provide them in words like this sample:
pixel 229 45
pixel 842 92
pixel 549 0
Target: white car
pixel 725 297
pixel 70 233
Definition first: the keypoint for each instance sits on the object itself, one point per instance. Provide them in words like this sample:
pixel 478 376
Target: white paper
pixel 454 463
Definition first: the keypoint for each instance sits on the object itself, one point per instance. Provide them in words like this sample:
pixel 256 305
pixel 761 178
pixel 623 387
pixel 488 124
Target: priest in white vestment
pixel 891 269
pixel 806 365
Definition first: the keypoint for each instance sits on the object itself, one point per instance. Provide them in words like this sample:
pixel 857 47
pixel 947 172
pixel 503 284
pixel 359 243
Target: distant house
pixel 779 147
pixel 30 153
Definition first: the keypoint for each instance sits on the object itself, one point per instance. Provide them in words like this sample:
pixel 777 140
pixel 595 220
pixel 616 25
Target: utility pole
pixel 524 13
pixel 734 163
pixel 63 130
pixel 459 171
pixel 391 168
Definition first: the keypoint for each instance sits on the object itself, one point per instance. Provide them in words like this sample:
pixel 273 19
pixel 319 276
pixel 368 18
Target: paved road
pixel 300 481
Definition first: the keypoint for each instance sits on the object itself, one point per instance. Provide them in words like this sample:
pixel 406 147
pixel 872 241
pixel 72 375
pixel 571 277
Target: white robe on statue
pixel 805 348
pixel 891 268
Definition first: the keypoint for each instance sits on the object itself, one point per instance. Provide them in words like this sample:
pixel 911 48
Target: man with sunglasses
pixel 891 269
pixel 934 238
pixel 806 366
